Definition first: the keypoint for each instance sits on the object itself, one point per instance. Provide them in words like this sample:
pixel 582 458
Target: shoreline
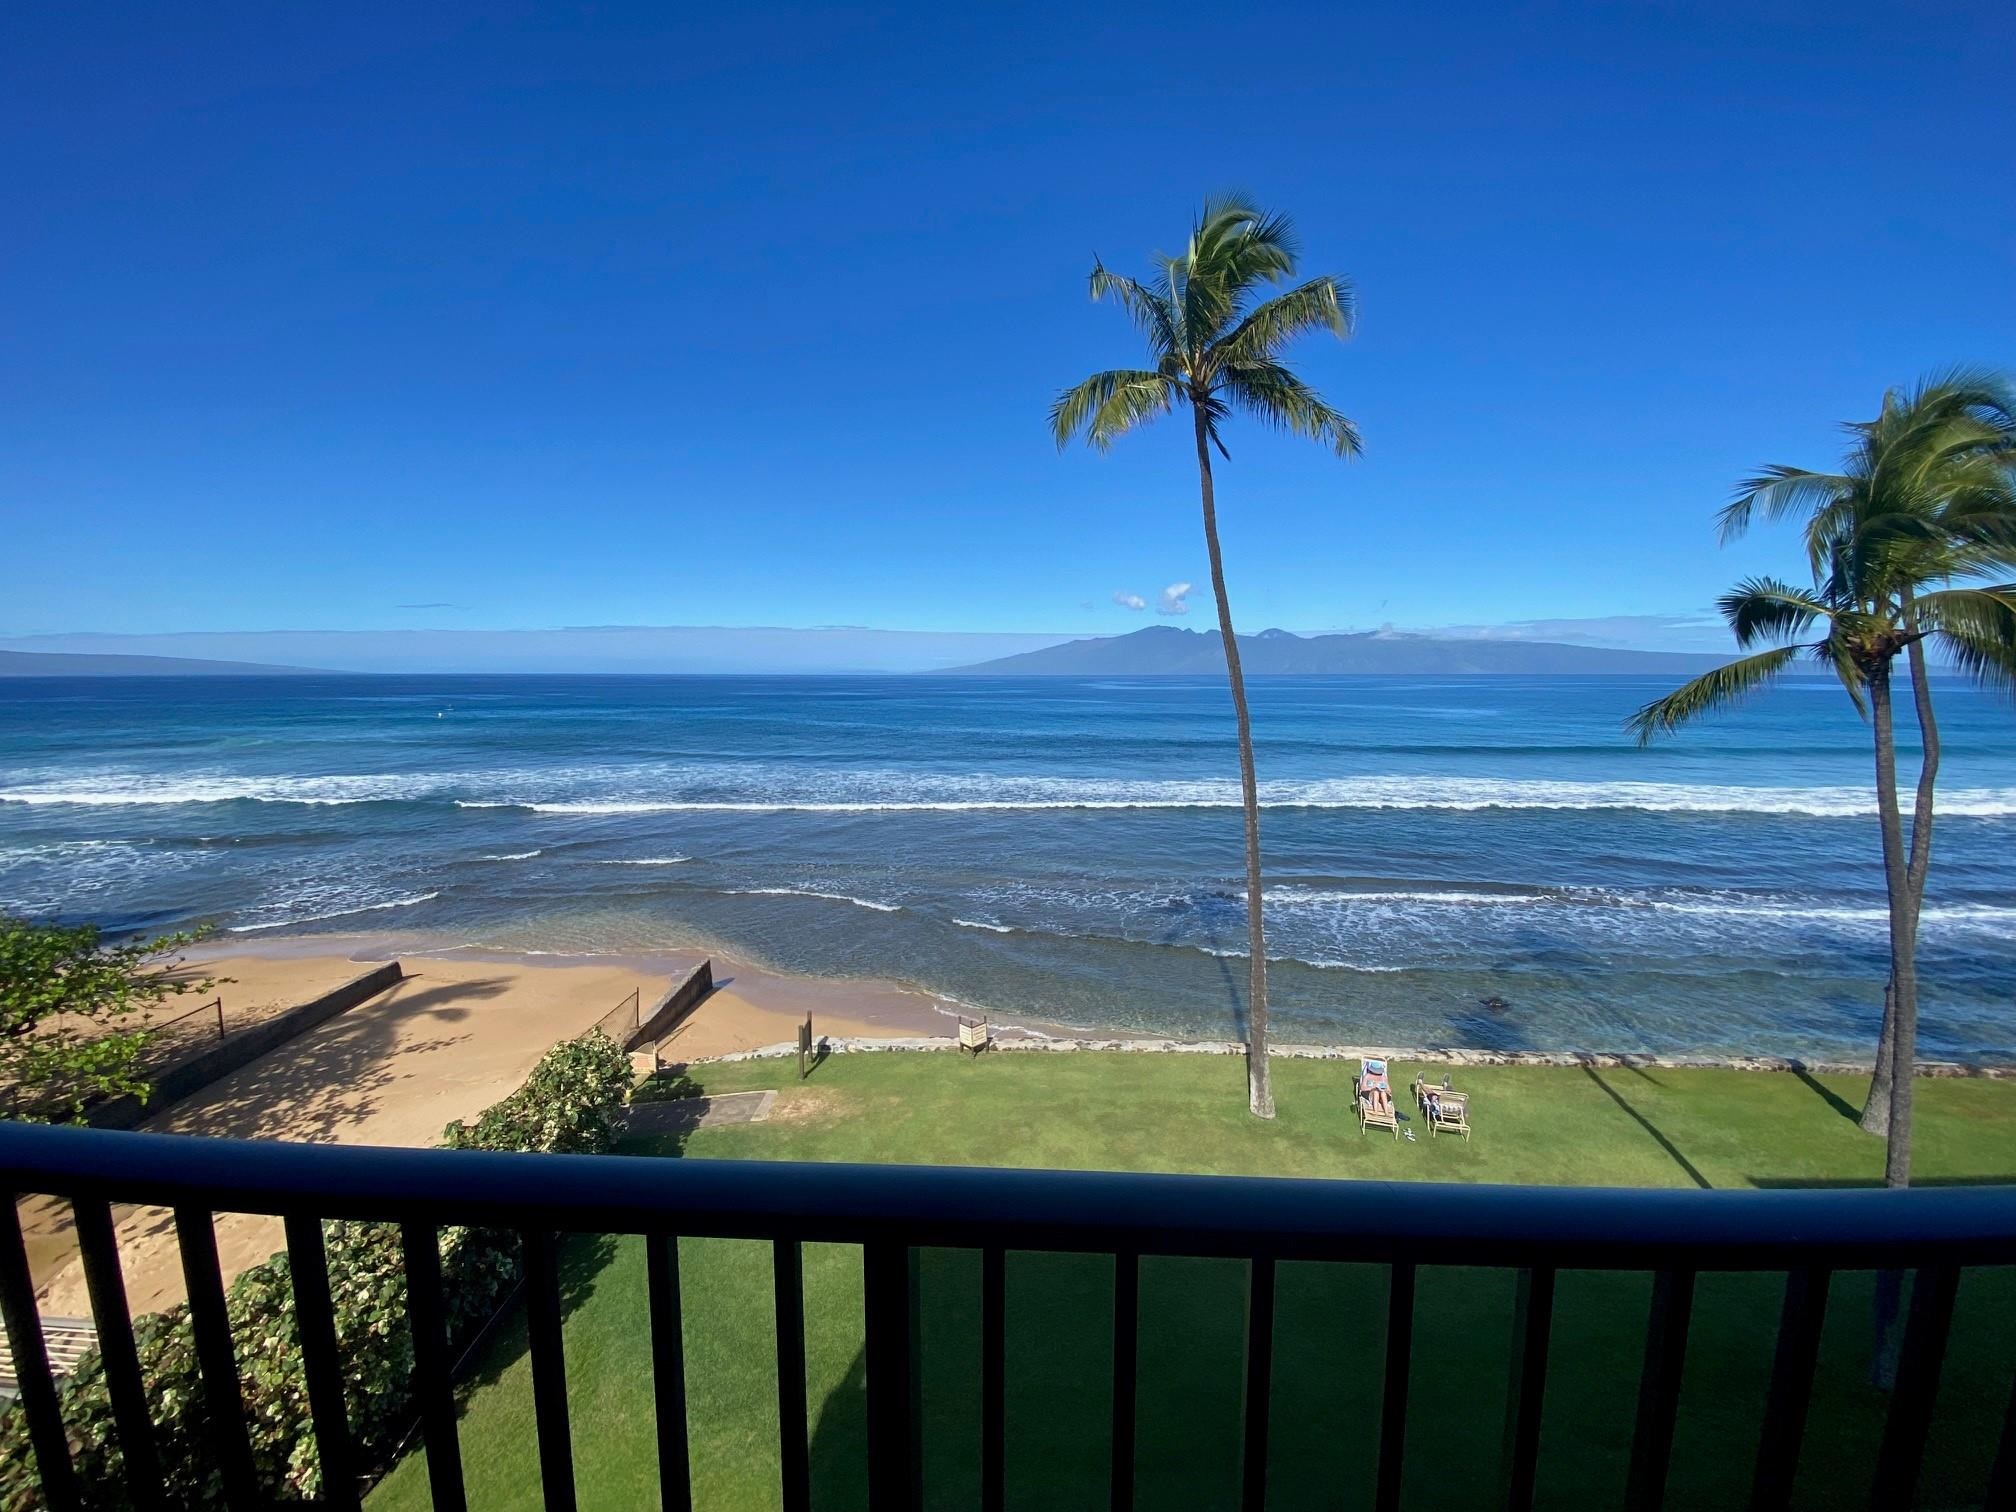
pixel 745 1018
pixel 752 1005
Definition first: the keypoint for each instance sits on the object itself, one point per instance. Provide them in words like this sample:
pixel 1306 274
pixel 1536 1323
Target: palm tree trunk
pixel 1876 1112
pixel 1259 1083
pixel 1903 931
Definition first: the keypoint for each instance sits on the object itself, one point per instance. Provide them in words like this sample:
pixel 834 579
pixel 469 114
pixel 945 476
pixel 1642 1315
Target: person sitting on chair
pixel 1375 1090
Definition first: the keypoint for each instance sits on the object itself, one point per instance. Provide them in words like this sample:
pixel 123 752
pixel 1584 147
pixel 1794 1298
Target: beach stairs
pixel 68 1340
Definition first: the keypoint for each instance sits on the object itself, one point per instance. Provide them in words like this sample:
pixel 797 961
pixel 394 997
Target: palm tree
pixel 1215 347
pixel 1897 542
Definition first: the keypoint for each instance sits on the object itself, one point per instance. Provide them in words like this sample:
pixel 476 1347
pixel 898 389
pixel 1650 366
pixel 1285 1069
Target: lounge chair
pixel 1374 1095
pixel 1442 1109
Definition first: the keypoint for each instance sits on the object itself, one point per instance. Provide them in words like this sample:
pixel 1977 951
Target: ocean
pixel 1062 849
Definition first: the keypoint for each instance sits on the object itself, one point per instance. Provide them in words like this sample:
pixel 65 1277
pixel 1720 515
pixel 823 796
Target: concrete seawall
pixel 241 1049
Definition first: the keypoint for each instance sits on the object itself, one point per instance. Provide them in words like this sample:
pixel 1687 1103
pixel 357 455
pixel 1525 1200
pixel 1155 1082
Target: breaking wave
pixel 761 789
pixel 291 920
pixel 806 892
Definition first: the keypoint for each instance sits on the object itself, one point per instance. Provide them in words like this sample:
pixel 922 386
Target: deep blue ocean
pixel 1065 849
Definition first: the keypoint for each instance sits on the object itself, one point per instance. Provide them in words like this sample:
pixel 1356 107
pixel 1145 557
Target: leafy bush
pixel 563 1107
pixel 566 1106
pixel 74 1010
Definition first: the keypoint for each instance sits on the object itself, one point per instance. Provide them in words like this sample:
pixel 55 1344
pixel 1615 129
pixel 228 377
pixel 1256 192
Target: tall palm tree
pixel 1215 346
pixel 1897 542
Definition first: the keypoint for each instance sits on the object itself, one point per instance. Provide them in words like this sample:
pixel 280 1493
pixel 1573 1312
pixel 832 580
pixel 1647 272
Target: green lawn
pixel 1186 1113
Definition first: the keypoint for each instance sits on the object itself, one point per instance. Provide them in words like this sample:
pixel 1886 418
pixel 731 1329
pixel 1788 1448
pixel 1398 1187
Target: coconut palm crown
pixel 1905 546
pixel 1215 344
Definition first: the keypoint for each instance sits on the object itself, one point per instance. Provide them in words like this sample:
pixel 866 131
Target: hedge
pixel 566 1105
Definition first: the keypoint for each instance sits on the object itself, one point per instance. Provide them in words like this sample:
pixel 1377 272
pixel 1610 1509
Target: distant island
pixel 1168 651
pixel 92 664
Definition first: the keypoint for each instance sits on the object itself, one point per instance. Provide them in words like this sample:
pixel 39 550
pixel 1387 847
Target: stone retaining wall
pixel 1435 1057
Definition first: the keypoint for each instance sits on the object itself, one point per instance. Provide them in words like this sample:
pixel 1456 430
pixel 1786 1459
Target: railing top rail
pixel 1572 1227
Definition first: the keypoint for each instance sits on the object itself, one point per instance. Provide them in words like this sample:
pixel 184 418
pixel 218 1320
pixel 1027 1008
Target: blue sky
pixel 364 317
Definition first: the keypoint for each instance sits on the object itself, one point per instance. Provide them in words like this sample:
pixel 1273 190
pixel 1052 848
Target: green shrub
pixel 563 1107
pixel 566 1106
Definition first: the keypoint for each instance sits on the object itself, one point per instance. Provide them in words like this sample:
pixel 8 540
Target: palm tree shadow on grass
pixel 1693 1174
pixel 838 1454
pixel 1829 1096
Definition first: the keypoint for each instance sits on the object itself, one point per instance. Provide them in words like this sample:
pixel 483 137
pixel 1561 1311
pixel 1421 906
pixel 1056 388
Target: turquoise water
pixel 1062 848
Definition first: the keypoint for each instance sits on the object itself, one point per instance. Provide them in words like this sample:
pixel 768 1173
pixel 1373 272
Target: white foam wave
pixel 152 789
pixel 339 913
pixel 1457 793
pixel 983 924
pixel 1321 963
pixel 805 892
pixel 645 861
pixel 1723 905
pixel 662 787
pixel 1294 896
pixel 729 787
pixel 516 855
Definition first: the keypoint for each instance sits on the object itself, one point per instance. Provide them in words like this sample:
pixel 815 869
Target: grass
pixel 1186 1113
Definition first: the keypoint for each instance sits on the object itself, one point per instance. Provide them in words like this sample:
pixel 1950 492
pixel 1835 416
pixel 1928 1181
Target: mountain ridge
pixel 104 664
pixel 1172 651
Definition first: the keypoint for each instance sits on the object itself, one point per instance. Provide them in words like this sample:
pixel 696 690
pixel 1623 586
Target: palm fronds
pixel 1214 344
pixel 1322 304
pixel 1766 609
pixel 1712 690
pixel 1274 394
pixel 1108 405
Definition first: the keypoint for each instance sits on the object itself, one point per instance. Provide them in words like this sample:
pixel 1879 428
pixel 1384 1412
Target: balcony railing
pixel 890 1211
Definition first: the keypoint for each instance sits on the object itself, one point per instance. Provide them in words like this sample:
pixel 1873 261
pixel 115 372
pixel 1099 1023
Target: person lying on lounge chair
pixel 1374 1088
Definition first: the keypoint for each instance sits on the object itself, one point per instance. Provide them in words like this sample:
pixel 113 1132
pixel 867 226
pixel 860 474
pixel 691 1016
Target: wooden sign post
pixel 805 1048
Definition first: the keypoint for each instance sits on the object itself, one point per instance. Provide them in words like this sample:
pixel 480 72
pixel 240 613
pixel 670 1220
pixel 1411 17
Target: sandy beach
pixel 459 1032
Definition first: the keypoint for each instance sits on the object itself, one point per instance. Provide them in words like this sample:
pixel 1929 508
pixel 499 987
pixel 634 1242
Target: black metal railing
pixel 891 1211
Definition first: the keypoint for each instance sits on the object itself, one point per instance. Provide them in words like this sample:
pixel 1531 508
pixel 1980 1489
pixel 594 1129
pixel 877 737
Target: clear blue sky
pixel 600 314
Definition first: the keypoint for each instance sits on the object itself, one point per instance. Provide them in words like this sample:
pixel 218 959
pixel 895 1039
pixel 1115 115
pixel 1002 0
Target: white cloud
pixel 1175 599
pixel 1128 600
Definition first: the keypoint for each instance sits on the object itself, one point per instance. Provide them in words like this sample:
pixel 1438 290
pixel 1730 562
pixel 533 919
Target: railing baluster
pixel 993 1379
pixel 1532 1327
pixel 1126 1375
pixel 2002 1474
pixel 1917 1388
pixel 1393 1403
pixel 891 1433
pixel 549 1370
pixel 1659 1389
pixel 1799 1321
pixel 668 1373
pixel 216 1357
pixel 1259 1380
pixel 31 1366
pixel 321 1359
pixel 788 1276
pixel 427 1314
pixel 113 1318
